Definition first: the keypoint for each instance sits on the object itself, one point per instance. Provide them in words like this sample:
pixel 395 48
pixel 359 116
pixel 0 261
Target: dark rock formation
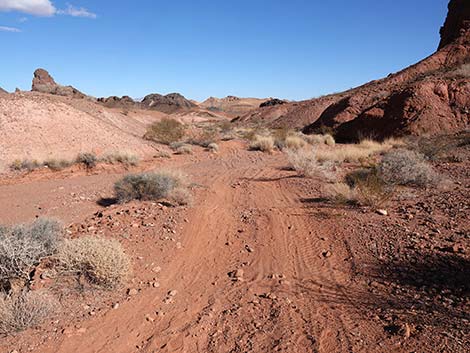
pixel 272 102
pixel 44 83
pixel 170 103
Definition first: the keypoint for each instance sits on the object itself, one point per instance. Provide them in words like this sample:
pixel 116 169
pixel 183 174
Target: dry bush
pixel 405 167
pixel 370 189
pixel 205 137
pixel 184 149
pixel 314 139
pixel 181 196
pixel 213 147
pixel 23 246
pixel 355 152
pixel 102 261
pixel 25 164
pixel 57 164
pixel 329 140
pixel 165 131
pixel 461 72
pixel 147 186
pixel 341 193
pixel 262 143
pixel 125 158
pixel 29 309
pixel 294 142
pixel 306 164
pixel 88 159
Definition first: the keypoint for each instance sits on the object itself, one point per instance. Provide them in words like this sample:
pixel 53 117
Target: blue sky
pixel 294 49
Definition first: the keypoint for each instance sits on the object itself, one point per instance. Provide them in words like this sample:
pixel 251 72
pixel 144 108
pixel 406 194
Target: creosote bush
pixel 405 167
pixel 165 131
pixel 125 158
pixel 25 164
pixel 57 164
pixel 23 246
pixel 28 309
pixel 262 143
pixel 102 261
pixel 147 186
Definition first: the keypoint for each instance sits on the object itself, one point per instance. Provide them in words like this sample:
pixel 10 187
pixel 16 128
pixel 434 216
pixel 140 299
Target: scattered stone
pixel 249 248
pixel 327 253
pixel 172 293
pixel 116 306
pixel 132 291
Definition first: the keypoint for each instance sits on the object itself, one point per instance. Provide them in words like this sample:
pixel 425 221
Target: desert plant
pixel 125 158
pixel 405 167
pixel 305 162
pixel 57 164
pixel 184 149
pixel 102 261
pixel 147 186
pixel 329 140
pixel 23 246
pixel 165 131
pixel 26 310
pixel 25 164
pixel 88 159
pixel 181 196
pixel 314 139
pixel 294 142
pixel 369 187
pixel 341 193
pixel 262 143
pixel 205 137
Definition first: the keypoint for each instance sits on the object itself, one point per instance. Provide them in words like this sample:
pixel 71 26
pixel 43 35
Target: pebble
pixel 132 291
pixel 172 293
pixel 382 212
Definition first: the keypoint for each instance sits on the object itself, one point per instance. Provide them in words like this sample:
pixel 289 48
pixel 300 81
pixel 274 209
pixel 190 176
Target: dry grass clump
pixel 23 246
pixel 88 159
pixel 184 149
pixel 293 142
pixel 25 164
pixel 165 131
pixel 405 167
pixel 314 139
pixel 147 186
pixel 204 137
pixel 57 164
pixel 341 193
pixel 305 162
pixel 102 261
pixel 356 152
pixel 329 140
pixel 181 196
pixel 125 158
pixel 213 147
pixel 262 143
pixel 26 310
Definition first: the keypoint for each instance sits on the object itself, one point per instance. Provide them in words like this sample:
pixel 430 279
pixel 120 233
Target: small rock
pixel 327 253
pixel 132 291
pixel 156 284
pixel 115 306
pixel 382 212
pixel 249 248
pixel 172 293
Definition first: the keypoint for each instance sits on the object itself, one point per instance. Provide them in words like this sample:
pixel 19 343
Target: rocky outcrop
pixel 44 83
pixel 272 102
pixel 430 97
pixel 457 24
pixel 2 91
pixel 171 103
pixel 117 102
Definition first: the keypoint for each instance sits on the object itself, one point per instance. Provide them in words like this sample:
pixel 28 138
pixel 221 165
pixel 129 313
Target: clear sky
pixel 294 49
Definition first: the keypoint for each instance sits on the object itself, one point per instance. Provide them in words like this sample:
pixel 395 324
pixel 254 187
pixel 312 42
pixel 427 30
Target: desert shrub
pixel 147 186
pixel 175 145
pixel 205 137
pixel 405 167
pixel 102 261
pixel 329 140
pixel 88 159
pixel 165 131
pixel 184 149
pixel 306 164
pixel 162 154
pixel 125 158
pixel 23 246
pixel 262 143
pixel 180 196
pixel 213 147
pixel 57 164
pixel 369 187
pixel 26 310
pixel 341 193
pixel 314 139
pixel 25 164
pixel 461 72
pixel 294 142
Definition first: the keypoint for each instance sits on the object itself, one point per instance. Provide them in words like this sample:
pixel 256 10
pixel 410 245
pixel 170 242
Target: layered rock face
pixel 44 83
pixel 457 24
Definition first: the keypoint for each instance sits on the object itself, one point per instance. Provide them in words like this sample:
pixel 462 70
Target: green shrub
pixel 165 131
pixel 147 186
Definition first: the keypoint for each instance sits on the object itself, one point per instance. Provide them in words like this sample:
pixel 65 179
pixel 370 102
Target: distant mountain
pixel 231 105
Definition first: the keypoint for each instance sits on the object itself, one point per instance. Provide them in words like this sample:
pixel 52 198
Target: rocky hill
pixel 231 105
pixel 170 103
pixel 44 83
pixel 429 97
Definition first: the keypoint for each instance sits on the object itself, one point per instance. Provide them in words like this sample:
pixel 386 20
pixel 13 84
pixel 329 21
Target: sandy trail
pixel 245 217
